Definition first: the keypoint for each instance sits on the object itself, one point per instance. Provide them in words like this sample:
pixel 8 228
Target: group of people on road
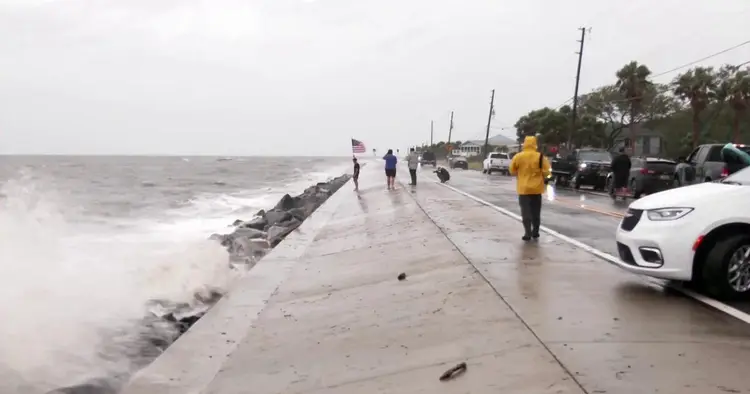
pixel 391 162
pixel 530 167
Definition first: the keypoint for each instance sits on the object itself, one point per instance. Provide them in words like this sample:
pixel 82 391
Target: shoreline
pixel 247 244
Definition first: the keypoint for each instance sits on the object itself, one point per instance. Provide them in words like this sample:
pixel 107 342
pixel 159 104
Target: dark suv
pixel 428 158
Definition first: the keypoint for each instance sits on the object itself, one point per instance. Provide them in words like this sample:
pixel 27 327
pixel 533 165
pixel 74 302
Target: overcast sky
pixel 292 77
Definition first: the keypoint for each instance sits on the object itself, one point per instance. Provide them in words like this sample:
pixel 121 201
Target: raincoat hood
pixel 529 143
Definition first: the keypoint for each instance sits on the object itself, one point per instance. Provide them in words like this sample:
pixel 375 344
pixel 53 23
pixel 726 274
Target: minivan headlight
pixel 662 214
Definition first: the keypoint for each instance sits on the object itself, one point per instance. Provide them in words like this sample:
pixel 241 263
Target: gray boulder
pixel 248 232
pixel 299 213
pixel 277 233
pixel 286 203
pixel 275 216
pixel 258 223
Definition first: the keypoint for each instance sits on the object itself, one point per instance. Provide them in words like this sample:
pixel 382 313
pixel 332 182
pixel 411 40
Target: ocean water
pixel 86 242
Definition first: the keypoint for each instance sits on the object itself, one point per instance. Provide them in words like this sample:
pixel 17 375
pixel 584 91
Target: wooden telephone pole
pixel 489 120
pixel 450 129
pixel 431 132
pixel 574 114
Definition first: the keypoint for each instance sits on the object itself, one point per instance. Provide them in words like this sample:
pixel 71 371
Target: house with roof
pixel 475 147
pixel 648 142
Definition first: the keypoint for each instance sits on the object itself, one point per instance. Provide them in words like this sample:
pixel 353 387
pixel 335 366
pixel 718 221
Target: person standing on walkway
pixel 531 168
pixel 413 161
pixel 390 169
pixel 620 171
pixel 355 177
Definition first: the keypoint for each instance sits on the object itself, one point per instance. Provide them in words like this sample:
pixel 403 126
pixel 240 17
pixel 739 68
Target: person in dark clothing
pixel 355 177
pixel 443 174
pixel 620 171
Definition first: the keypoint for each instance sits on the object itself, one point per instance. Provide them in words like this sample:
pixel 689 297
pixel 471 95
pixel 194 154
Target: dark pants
pixel 531 212
pixel 413 174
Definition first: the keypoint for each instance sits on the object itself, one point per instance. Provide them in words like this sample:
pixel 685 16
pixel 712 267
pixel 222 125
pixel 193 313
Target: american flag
pixel 358 146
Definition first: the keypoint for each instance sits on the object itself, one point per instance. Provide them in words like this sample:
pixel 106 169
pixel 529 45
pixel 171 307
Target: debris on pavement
pixel 401 276
pixel 453 372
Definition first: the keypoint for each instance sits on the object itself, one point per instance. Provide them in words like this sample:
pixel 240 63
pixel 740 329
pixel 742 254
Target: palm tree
pixel 735 90
pixel 698 86
pixel 633 84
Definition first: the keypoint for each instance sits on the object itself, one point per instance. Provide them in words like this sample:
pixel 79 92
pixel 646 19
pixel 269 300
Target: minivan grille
pixel 631 219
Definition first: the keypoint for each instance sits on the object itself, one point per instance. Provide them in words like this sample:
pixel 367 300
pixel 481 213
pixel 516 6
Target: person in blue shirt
pixel 390 169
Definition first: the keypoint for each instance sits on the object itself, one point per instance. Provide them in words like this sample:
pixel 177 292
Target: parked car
pixel 707 163
pixel 496 161
pixel 428 158
pixel 458 162
pixel 698 233
pixel 586 166
pixel 647 175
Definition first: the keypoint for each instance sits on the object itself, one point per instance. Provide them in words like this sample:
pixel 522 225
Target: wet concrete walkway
pixel 526 318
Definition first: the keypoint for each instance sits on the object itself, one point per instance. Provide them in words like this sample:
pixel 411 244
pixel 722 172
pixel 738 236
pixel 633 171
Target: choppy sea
pixel 86 242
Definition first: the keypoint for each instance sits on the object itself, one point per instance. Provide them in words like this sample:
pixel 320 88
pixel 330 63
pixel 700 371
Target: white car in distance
pixel 496 161
pixel 698 233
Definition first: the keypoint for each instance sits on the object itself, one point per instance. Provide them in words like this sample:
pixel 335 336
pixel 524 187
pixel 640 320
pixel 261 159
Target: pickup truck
pixel 428 158
pixel 711 162
pixel 582 167
pixel 496 161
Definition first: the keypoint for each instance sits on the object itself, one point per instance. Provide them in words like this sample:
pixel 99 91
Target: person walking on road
pixel 390 169
pixel 355 176
pixel 413 161
pixel 531 168
pixel 620 171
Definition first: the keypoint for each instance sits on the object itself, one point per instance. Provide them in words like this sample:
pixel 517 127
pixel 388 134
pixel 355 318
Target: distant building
pixel 647 143
pixel 468 149
pixel 475 147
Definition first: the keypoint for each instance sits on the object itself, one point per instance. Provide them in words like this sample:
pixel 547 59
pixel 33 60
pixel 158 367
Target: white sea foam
pixel 66 286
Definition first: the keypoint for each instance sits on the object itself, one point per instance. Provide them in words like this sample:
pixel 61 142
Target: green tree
pixel 610 107
pixel 550 124
pixel 698 87
pixel 734 89
pixel 633 84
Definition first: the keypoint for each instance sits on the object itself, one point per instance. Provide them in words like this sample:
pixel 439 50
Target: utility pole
pixel 489 120
pixel 450 130
pixel 575 93
pixel 431 124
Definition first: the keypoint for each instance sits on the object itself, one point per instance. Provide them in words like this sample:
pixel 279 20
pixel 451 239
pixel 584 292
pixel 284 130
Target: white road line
pixel 734 312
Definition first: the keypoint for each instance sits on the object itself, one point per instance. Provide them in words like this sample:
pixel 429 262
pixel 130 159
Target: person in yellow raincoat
pixel 531 168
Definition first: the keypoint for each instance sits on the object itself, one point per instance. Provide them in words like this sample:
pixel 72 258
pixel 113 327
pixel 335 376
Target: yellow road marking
pixel 571 203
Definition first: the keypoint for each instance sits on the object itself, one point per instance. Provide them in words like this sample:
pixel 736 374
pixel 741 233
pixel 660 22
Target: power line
pixel 680 67
pixel 701 59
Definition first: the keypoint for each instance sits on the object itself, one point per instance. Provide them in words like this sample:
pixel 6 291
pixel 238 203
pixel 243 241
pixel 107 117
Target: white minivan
pixel 698 233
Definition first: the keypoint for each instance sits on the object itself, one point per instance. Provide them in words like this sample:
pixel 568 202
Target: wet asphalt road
pixel 588 217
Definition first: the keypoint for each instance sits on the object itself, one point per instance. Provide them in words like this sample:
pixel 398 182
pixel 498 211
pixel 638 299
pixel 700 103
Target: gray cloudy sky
pixel 288 77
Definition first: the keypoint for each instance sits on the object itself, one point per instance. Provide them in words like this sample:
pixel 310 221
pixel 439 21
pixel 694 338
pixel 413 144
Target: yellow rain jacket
pixel 525 165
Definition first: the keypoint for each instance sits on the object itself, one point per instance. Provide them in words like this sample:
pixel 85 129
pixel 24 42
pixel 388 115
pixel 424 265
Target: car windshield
pixel 741 177
pixel 595 156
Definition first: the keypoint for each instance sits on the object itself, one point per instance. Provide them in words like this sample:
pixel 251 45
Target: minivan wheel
pixel 726 271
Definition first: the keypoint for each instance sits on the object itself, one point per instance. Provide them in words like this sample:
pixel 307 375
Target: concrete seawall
pixel 325 312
